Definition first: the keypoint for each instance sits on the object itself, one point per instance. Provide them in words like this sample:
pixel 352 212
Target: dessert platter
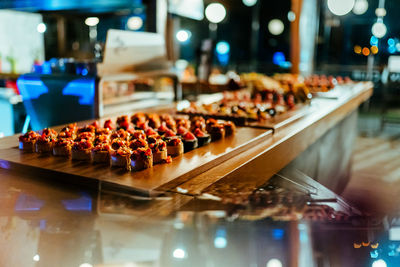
pixel 141 153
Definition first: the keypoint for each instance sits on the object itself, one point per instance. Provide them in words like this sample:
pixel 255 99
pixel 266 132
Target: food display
pixel 134 142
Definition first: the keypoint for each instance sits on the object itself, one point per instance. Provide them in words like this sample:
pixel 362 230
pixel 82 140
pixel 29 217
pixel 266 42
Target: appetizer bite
pixel 198 122
pixel 154 121
pixel 62 147
pixel 163 128
pixel 85 136
pixel 101 153
pixel 44 144
pixel 149 131
pixel 27 141
pixel 121 158
pixel 169 135
pixel 217 132
pixel 141 159
pixel 202 137
pixel 87 129
pixel 138 118
pixel 189 141
pixel 230 128
pixel 137 134
pixel 108 124
pixel 138 143
pixel 99 139
pixel 81 150
pixel 159 149
pixel 118 143
pixel 174 147
pixel 120 134
pixel 123 122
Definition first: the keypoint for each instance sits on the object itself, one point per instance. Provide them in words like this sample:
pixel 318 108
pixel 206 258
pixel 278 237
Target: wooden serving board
pixel 146 182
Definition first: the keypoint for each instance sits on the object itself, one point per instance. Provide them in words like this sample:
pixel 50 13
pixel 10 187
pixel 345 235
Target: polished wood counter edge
pixel 253 167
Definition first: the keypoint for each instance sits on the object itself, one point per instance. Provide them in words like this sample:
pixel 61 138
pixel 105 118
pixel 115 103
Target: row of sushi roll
pixel 134 143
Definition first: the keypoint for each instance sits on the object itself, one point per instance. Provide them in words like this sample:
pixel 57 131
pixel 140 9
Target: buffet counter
pixel 241 164
pixel 214 217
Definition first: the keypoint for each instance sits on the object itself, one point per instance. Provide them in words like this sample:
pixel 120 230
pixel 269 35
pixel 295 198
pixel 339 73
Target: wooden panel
pixel 147 181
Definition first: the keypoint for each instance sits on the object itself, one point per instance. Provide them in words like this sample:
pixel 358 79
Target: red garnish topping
pixel 182 130
pixel 124 124
pixel 69 128
pixel 142 125
pixel 122 119
pixel 82 145
pixel 169 133
pixel 212 121
pixel 64 142
pixel 135 144
pixel 43 139
pixel 174 142
pixel 102 147
pixel 65 134
pixel 103 131
pixel 29 136
pixel 48 132
pixel 189 136
pixel 85 135
pixel 141 153
pixel 138 118
pixel 122 151
pixel 121 133
pixel 109 124
pixel 95 124
pixel 87 128
pixel 150 131
pixel 138 134
pixel 101 139
pixel 118 143
pixel 199 133
pixel 163 127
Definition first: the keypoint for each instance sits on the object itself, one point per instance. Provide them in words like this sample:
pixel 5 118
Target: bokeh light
pixel 365 51
pixel 379 29
pixel 249 2
pixel 215 12
pixel 357 49
pixel 41 27
pixel 276 27
pixel 92 21
pixel 134 23
pixel 340 7
pixel 360 7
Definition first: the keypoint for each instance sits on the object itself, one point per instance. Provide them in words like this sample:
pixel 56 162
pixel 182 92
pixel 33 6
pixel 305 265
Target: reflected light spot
pixel 374 49
pixel 220 242
pixel 85 265
pixel 274 263
pixel 36 257
pixel 379 263
pixel 179 253
pixel 92 21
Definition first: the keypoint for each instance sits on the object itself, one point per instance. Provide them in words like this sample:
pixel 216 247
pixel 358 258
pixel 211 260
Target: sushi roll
pixel 217 131
pixel 189 141
pixel 141 159
pixel 174 147
pixel 121 158
pixel 182 130
pixel 81 150
pixel 202 137
pixel 230 128
pixel 62 147
pixel 27 141
pixel 101 153
pixel 158 148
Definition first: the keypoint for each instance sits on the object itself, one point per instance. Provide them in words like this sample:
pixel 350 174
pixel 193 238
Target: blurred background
pixel 60 41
